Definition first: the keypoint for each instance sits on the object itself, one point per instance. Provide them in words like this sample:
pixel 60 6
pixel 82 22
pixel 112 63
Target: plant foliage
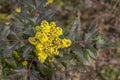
pixel 17 56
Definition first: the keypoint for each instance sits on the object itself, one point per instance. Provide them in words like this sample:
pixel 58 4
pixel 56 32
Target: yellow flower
pixel 57 31
pixel 45 29
pixel 39 47
pixel 37 28
pixel 44 23
pixel 32 40
pixel 18 10
pixel 47 41
pixel 42 57
pixel 53 24
pixel 57 42
pixel 66 43
pixel 55 51
pixel 24 63
pixel 49 50
pixel 49 2
pixel 42 37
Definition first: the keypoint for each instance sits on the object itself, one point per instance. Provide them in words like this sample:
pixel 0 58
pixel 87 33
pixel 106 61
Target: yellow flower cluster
pixel 18 10
pixel 47 40
pixel 49 2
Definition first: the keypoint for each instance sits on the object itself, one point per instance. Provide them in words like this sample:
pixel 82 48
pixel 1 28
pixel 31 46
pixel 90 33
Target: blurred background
pixel 107 15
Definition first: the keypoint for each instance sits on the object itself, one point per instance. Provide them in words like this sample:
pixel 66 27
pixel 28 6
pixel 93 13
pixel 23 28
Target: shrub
pixel 30 44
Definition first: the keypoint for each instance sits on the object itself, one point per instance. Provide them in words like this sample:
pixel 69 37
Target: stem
pixel 29 68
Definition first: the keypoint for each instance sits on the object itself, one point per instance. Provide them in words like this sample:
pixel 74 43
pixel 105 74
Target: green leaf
pixel 92 51
pixel 12 47
pixel 34 75
pixel 26 51
pixel 74 32
pixel 92 26
pixel 11 62
pixel 40 4
pixel 18 74
pixel 90 35
pixel 44 16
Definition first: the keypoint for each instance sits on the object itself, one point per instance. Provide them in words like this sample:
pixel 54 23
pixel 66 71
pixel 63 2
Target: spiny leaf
pixel 16 27
pixel 11 62
pixel 34 75
pixel 75 30
pixel 4 33
pixel 18 73
pixel 27 50
pixel 12 47
pixel 92 31
pixel 27 3
pixel 44 16
pixel 92 26
pixel 40 4
pixel 92 51
pixel 90 35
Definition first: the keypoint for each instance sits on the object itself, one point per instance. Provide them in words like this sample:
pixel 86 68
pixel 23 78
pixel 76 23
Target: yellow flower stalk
pixel 49 2
pixel 47 41
pixel 24 63
pixel 18 10
pixel 17 56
